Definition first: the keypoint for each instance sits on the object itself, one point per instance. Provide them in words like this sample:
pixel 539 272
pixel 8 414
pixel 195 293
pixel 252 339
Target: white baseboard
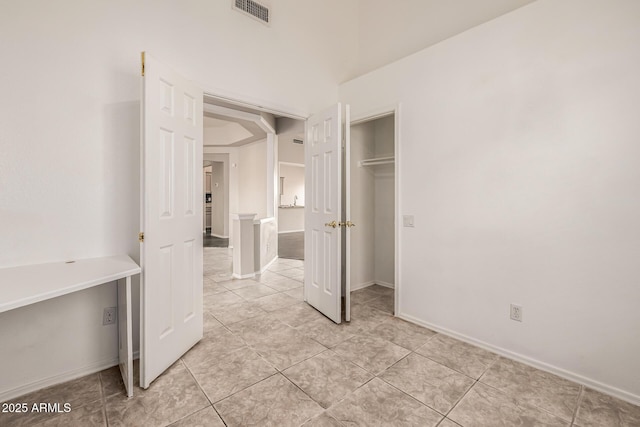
pixel 572 376
pixel 290 231
pixel 243 276
pixel 263 269
pixel 58 379
pixel 371 283
pixel 362 285
pixel 220 236
pixel 385 284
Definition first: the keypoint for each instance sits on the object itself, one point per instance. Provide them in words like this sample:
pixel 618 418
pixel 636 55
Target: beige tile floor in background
pixel 268 359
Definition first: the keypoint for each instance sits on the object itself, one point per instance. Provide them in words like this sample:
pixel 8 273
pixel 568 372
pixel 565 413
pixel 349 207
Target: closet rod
pixel 375 162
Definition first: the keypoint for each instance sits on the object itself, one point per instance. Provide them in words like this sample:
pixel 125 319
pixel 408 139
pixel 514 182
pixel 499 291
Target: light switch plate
pixel 407 220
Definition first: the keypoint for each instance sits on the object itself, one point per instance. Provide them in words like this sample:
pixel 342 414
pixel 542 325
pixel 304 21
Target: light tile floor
pixel 268 359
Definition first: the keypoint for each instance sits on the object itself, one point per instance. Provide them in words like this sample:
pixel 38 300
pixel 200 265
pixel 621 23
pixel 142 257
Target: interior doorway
pixel 264 158
pixel 291 188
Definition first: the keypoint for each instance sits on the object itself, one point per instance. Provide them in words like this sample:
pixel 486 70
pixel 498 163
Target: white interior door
pixel 322 233
pixel 171 215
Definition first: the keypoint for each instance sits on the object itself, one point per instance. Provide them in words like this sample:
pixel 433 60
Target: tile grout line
pixel 237 392
pixel 373 374
pixel 306 394
pixel 203 392
pixel 407 394
pixel 378 375
pixel 460 399
pixel 475 381
pixel 250 346
pixel 454 369
pixel 411 397
pixel 104 400
pixel 521 402
pixel 281 372
pixel 525 403
pixel 578 403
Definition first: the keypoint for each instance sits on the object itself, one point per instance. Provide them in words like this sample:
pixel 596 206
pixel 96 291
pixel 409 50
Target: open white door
pixel 322 231
pixel 171 215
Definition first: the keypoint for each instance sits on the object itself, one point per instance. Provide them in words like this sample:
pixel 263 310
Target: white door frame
pixel 367 117
pixel 258 105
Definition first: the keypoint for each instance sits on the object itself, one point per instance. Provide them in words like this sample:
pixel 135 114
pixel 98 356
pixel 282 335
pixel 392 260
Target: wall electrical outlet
pixel 516 312
pixel 407 221
pixel 109 316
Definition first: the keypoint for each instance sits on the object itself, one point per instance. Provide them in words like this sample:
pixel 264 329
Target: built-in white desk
pixel 29 284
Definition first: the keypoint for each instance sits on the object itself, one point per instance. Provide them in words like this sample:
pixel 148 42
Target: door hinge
pixel 141 237
pixel 142 63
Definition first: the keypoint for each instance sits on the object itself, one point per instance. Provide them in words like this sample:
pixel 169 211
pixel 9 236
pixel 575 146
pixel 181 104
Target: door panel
pixel 323 242
pixel 171 215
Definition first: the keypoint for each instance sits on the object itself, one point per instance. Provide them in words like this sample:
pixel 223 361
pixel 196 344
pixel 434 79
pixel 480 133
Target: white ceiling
pixel 229 125
pixel 212 122
pixel 392 29
pixel 221 132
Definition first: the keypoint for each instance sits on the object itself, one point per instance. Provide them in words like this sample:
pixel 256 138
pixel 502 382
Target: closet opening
pixel 372 199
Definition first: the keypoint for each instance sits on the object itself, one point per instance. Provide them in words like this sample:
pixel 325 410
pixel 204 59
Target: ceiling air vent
pixel 253 9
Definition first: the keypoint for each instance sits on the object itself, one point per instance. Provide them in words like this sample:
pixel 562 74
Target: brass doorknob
pixel 349 224
pixel 331 224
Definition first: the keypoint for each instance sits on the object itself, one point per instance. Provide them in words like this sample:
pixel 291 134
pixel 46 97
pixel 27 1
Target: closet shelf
pixel 377 161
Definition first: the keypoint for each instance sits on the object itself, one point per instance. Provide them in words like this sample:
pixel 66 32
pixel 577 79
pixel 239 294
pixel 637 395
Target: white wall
pixel 69 120
pixel 265 235
pixel 252 179
pixel 519 159
pixel 288 151
pixel 384 226
pixel 290 220
pixel 384 203
pixel 390 30
pixel 246 173
pixel 362 205
pixel 293 175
